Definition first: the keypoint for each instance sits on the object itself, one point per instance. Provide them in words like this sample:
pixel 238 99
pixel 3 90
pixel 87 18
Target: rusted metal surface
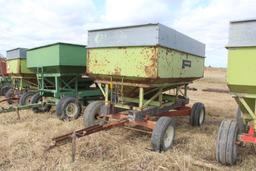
pixel 132 89
pixel 129 62
pixel 8 99
pixel 151 68
pixel 143 65
pixel 180 111
pixel 121 119
pixel 145 83
pixel 143 123
pixel 60 140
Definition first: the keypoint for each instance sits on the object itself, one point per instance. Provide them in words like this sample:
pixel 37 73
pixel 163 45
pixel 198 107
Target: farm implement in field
pixel 144 81
pixel 242 85
pixel 58 80
pixel 157 120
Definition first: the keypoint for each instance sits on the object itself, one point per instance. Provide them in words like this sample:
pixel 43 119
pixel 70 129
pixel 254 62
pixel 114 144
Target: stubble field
pixel 23 142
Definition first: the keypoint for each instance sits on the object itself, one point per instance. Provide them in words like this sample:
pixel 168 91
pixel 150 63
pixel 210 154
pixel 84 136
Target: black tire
pixel 197 116
pixel 163 134
pixel 36 98
pixel 10 94
pixel 91 112
pixel 58 106
pixel 70 109
pixel 4 90
pixel 226 147
pixel 25 98
pixel 239 120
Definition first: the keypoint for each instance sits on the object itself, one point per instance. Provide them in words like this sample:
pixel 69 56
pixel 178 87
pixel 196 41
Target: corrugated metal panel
pixel 242 33
pixel 145 35
pixel 16 53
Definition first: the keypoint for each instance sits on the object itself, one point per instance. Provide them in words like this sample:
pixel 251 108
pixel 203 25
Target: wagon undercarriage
pixel 151 111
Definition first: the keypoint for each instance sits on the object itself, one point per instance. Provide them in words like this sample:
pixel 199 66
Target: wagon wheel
pixel 59 106
pixel 25 98
pixel 10 94
pixel 36 98
pixel 68 108
pixel 92 114
pixel 4 90
pixel 226 146
pixel 197 116
pixel 163 134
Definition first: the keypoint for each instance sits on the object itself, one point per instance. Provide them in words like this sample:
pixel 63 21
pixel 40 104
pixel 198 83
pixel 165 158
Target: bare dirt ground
pixel 23 142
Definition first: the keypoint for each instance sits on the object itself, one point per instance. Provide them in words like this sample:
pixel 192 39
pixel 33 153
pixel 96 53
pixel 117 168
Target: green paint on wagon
pixel 58 58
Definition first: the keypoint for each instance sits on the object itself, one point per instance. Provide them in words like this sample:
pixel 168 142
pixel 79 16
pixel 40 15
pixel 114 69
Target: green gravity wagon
pixel 242 84
pixel 60 69
pixel 143 72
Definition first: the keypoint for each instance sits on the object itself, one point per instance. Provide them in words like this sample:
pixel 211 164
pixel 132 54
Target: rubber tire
pixel 157 137
pixel 35 99
pixel 195 114
pixel 9 94
pixel 64 104
pixel 239 120
pixel 24 97
pixel 4 90
pixel 90 113
pixel 226 147
pixel 58 106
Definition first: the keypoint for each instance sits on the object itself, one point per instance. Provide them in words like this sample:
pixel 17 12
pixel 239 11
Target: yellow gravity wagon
pixel 143 72
pixel 242 85
pixel 23 79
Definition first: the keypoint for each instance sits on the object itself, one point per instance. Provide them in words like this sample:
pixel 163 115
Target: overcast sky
pixel 31 23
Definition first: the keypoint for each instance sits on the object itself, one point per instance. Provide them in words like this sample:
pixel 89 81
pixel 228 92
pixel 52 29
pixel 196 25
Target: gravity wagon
pixel 60 69
pixel 22 79
pixel 5 80
pixel 242 84
pixel 143 72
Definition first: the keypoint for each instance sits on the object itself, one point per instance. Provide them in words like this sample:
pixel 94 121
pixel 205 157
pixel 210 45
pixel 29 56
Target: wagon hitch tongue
pixel 72 136
pixel 7 99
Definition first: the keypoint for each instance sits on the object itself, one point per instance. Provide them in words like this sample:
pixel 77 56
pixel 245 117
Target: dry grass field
pixel 23 142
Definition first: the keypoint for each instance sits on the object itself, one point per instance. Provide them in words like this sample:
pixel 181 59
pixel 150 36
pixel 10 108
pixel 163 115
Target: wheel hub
pixel 201 117
pixel 71 109
pixel 168 137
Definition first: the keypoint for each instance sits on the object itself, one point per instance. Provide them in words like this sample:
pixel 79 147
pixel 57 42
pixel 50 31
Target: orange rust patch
pixel 151 69
pixel 117 71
